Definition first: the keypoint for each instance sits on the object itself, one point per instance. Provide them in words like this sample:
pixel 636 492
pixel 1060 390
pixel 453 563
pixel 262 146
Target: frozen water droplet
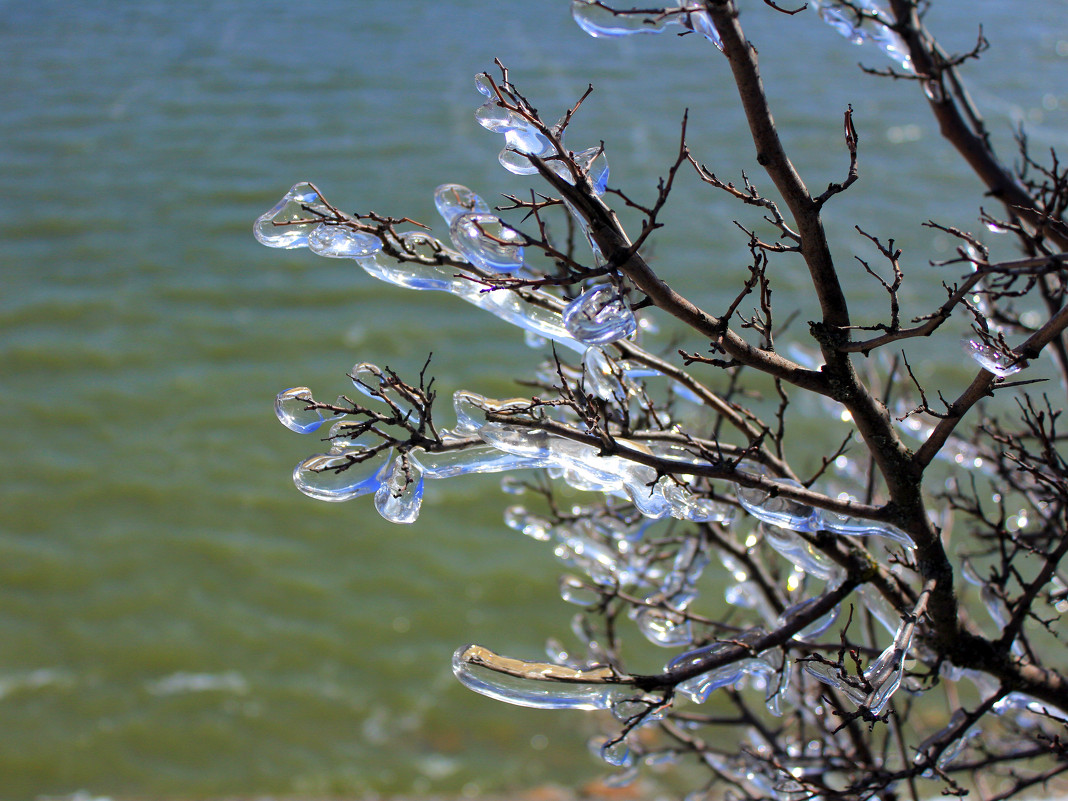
pixel 487 242
pixel 990 358
pixel 599 316
pixel 400 496
pixel 452 200
pixel 278 227
pixel 518 440
pixel 484 85
pixel 616 752
pixel 290 408
pixel 667 629
pixel 337 477
pixel 339 242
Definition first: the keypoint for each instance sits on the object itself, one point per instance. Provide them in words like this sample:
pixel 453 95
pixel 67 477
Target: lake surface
pixel 175 618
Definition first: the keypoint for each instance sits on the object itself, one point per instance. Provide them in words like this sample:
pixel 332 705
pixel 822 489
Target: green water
pixel 175 619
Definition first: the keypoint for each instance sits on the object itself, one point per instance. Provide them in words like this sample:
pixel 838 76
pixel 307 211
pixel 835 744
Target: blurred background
pixel 175 618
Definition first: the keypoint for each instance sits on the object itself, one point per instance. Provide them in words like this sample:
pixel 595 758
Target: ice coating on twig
pixel 699 688
pixel 487 242
pixel 989 357
pixel 289 223
pixel 340 477
pixel 400 496
pixel 879 681
pixel 603 22
pixel 871 24
pixel 452 200
pixel 600 22
pixel 291 409
pixel 340 242
pixel 539 685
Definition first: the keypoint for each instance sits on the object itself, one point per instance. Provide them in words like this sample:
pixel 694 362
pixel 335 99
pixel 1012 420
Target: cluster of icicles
pixel 873 25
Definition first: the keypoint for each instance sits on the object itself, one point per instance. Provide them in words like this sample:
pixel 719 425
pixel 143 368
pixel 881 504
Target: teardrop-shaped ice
pixel 337 477
pixel 886 672
pixel 587 461
pixel 990 358
pixel 400 496
pixel 291 220
pixel 290 406
pixel 339 242
pixel 599 316
pixel 600 22
pixel 487 242
pixel 452 200
pixel 616 753
pixel 663 628
pixel 539 685
pixel 484 85
pixel 647 497
pixel 526 138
